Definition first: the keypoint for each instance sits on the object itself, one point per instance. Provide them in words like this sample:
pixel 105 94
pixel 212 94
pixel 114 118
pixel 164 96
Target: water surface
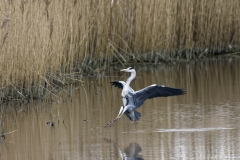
pixel 203 124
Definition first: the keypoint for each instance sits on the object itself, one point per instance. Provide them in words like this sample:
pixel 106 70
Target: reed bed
pixel 46 43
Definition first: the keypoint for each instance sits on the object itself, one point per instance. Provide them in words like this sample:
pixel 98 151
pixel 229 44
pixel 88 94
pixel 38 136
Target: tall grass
pixel 40 41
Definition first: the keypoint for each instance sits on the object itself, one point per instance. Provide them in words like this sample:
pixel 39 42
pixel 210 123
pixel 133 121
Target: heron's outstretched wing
pixel 119 84
pixel 155 91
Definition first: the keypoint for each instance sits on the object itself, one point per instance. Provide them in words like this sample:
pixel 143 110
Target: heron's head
pixel 129 69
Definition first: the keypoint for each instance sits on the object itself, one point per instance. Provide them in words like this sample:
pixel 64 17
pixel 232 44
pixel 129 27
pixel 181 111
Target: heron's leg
pixel 111 122
pixel 118 116
pixel 121 109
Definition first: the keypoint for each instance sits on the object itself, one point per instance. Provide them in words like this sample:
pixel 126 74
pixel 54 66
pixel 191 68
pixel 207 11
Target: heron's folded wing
pixel 155 91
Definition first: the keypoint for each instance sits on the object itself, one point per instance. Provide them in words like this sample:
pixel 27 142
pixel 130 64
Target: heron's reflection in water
pixel 131 152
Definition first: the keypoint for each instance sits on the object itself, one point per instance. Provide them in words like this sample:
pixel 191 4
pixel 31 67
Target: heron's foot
pixel 109 124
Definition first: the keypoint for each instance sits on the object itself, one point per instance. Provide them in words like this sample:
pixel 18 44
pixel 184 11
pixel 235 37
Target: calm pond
pixel 203 124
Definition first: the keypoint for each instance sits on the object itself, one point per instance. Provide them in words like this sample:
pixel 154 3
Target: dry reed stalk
pixel 49 36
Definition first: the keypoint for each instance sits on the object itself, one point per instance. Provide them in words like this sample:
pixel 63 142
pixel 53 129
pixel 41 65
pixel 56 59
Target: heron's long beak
pixel 125 70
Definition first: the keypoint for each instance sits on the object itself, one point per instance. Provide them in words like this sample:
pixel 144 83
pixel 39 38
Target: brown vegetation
pixel 42 41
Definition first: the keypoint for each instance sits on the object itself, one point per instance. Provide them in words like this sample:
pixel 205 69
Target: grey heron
pixel 135 99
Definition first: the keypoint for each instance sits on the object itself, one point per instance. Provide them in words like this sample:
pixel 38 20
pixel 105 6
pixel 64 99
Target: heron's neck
pixel 129 80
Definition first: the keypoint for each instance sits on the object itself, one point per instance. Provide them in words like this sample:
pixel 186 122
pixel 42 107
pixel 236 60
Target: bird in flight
pixel 135 99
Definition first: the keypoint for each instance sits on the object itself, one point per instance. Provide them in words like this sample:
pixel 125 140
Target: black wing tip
pixel 117 84
pixel 177 91
pixel 114 81
pixel 184 91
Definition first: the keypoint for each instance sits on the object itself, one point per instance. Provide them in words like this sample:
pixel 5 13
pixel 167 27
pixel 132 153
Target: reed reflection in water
pixel 203 124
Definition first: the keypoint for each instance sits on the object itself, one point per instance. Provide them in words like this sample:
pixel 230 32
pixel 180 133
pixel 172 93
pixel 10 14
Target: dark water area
pixel 203 124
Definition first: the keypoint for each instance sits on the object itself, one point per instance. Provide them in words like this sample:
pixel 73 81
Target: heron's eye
pixel 130 68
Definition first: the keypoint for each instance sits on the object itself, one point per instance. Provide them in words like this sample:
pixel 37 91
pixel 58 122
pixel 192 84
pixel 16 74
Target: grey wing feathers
pixel 155 91
pixel 118 84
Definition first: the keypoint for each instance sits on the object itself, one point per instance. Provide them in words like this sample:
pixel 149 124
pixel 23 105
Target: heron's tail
pixel 133 115
pixel 137 115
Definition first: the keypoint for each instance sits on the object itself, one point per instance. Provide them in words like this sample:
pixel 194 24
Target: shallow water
pixel 203 124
